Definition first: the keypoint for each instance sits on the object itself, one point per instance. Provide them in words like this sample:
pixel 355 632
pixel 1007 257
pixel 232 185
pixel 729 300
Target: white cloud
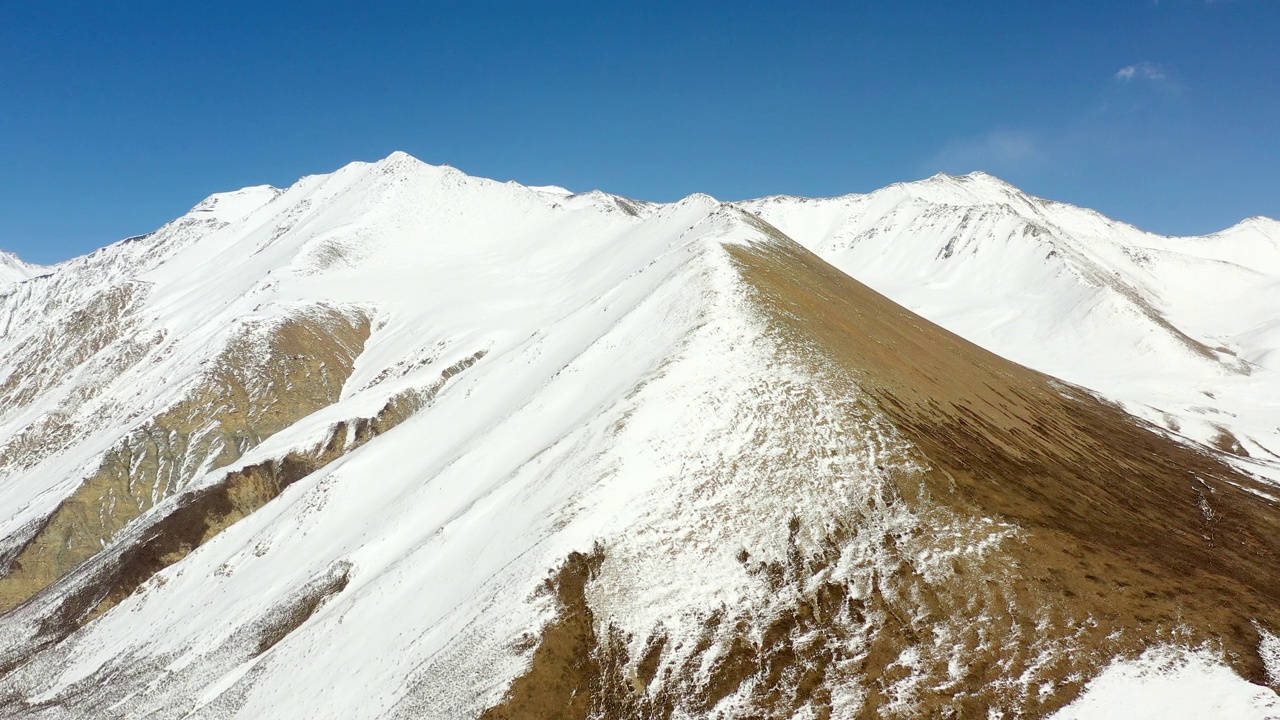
pixel 1141 71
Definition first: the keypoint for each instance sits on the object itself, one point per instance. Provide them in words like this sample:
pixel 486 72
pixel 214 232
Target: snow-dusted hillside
pixel 1185 332
pixel 401 442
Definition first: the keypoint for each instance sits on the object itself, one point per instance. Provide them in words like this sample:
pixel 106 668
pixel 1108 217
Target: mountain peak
pixel 401 160
pixel 14 268
pixel 1257 222
pixel 980 187
pixel 399 156
pixel 699 200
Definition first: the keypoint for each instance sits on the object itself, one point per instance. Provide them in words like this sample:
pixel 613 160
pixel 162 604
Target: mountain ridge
pixel 401 442
pixel 398 156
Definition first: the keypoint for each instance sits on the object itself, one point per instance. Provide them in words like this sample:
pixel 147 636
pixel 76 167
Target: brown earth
pixel 1120 539
pixel 565 673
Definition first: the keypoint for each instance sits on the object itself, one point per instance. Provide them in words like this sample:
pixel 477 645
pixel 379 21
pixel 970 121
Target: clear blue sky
pixel 118 116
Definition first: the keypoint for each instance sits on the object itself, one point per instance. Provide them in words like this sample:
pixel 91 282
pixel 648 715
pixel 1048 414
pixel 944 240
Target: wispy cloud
pixel 1137 111
pixel 996 151
pixel 1141 71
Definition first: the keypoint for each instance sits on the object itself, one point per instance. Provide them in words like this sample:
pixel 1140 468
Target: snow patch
pixel 1172 683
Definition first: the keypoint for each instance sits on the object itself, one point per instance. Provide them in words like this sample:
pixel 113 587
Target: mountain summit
pixel 13 270
pixel 402 442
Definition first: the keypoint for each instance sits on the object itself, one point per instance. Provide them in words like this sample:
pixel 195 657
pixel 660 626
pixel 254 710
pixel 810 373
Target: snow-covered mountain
pixel 401 442
pixel 1185 332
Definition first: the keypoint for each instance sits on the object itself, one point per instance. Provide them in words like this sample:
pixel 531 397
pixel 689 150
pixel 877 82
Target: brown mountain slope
pixel 1104 539
pixel 267 379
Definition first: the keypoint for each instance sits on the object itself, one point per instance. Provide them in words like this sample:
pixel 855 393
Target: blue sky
pixel 118 116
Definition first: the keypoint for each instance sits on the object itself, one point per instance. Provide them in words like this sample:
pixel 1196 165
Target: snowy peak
pixel 971 188
pixel 607 202
pixel 13 269
pixel 1253 243
pixel 400 157
pixel 1257 223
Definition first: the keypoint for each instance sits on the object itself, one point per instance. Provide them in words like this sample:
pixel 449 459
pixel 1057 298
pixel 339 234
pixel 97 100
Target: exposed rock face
pixel 70 356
